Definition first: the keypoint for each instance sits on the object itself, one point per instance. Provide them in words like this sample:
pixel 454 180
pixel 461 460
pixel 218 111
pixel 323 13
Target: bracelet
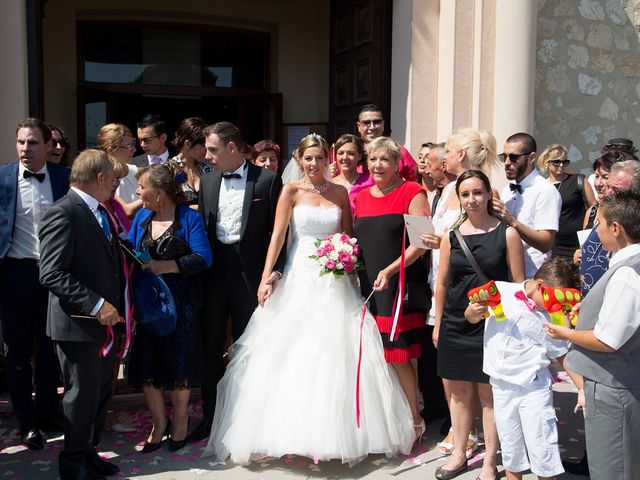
pixel 277 273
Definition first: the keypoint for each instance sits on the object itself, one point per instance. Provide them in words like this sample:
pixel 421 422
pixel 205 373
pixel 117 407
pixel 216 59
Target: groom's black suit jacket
pixel 258 214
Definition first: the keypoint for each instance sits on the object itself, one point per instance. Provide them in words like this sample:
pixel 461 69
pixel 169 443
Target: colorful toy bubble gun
pixel 488 293
pixel 559 302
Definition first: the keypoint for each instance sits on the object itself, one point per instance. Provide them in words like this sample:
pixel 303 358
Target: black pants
pixel 435 403
pixel 88 381
pixel 226 293
pixel 23 311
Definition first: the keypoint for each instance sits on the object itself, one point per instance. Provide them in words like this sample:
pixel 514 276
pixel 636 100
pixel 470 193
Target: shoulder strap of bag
pixel 469 255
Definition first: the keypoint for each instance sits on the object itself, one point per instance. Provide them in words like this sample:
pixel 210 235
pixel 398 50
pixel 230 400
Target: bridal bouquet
pixel 337 254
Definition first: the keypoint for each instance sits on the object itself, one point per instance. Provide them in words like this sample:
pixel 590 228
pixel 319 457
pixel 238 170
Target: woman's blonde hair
pixel 480 147
pixel 384 143
pixel 110 135
pixel 555 151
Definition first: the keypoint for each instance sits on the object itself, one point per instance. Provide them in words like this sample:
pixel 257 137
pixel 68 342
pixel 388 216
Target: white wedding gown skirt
pixel 290 385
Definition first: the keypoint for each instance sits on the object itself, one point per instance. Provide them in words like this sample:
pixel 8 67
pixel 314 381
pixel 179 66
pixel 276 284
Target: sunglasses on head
pixel 557 163
pixel 376 122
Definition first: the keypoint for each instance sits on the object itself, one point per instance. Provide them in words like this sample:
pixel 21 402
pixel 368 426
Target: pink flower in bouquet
pixel 356 250
pixel 330 265
pixel 348 266
pixel 328 248
pixel 345 238
pixel 344 257
pixel 320 252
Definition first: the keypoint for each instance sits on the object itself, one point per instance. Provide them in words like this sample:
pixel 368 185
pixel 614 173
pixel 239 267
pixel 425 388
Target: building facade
pixel 566 70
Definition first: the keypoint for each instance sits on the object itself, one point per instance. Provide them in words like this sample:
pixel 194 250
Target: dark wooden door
pixel 360 61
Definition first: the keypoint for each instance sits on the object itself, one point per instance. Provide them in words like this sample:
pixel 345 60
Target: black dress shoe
pixel 175 445
pixel 100 466
pixel 81 472
pixel 33 439
pixel 149 447
pixel 202 431
pixel 444 474
pixel 53 424
pixel 577 467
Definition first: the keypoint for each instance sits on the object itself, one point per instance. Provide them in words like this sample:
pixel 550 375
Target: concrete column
pixel 424 74
pixel 515 60
pixel 401 71
pixel 14 104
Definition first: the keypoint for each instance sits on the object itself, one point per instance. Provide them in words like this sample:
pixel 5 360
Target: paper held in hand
pixel 418 225
pixel 582 235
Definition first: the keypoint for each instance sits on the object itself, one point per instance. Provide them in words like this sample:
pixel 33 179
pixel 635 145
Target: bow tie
pixel 37 176
pixel 516 187
pixel 520 295
pixel 231 175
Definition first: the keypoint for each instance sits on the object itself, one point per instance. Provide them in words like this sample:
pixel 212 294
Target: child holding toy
pixel 606 345
pixel 517 354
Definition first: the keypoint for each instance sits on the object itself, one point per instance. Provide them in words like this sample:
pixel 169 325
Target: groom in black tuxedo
pixel 238 202
pixel 81 266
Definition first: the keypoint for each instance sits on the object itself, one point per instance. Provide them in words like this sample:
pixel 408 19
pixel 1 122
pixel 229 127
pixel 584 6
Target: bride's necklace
pixel 322 188
pixel 391 187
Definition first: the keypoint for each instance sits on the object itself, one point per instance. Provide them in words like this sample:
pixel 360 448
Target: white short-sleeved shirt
pixel 516 349
pixel 619 316
pixel 537 207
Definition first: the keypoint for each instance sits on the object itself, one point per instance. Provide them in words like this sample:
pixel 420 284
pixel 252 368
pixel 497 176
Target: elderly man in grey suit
pixel 81 266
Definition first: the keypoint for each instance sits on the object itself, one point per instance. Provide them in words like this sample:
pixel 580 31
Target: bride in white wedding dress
pixel 290 387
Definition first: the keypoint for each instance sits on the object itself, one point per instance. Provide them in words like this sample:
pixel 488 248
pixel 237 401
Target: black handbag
pixel 171 247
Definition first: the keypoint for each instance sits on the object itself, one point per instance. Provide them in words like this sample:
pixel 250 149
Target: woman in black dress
pixel 498 250
pixel 577 197
pixel 174 236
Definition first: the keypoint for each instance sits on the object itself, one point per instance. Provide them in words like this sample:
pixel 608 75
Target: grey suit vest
pixel 619 369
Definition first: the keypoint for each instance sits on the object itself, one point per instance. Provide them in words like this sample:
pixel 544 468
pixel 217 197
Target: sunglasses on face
pixel 147 140
pixel 376 122
pixel 61 142
pixel 557 163
pixel 512 157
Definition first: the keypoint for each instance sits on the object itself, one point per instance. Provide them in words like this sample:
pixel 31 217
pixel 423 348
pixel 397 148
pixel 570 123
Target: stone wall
pixel 587 75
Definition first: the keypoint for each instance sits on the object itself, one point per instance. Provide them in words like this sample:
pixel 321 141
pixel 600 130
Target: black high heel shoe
pixel 175 445
pixel 153 446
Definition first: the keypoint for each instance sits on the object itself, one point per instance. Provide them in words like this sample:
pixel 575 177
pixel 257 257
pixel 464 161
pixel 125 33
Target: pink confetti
pixel 135 470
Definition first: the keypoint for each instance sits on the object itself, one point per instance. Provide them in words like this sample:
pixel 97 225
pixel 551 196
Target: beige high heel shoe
pixel 419 429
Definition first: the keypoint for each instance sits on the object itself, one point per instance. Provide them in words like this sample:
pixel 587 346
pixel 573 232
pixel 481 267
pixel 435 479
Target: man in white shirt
pixel 606 345
pixel 152 138
pixel 238 202
pixel 529 203
pixel 28 188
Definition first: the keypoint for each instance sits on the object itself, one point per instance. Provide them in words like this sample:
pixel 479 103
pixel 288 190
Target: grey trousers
pixel 612 429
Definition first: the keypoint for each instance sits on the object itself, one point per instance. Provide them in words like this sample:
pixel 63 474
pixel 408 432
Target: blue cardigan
pixel 190 229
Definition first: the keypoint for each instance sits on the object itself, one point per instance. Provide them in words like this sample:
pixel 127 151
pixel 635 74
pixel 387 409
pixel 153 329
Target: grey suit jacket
pixel 140 160
pixel 78 265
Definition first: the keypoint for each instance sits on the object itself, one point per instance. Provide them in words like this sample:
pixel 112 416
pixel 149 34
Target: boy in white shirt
pixel 517 354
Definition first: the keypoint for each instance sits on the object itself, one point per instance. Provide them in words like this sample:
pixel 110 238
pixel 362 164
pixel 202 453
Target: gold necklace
pixel 390 188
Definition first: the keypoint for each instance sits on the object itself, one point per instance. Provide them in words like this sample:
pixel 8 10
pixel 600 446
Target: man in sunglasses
pixel 529 203
pixel 371 125
pixel 152 138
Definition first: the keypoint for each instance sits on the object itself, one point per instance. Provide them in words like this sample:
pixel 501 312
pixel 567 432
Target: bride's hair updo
pixel 311 140
pixel 163 178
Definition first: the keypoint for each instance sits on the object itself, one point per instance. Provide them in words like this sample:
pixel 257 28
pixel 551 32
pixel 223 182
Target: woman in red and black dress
pixel 379 228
